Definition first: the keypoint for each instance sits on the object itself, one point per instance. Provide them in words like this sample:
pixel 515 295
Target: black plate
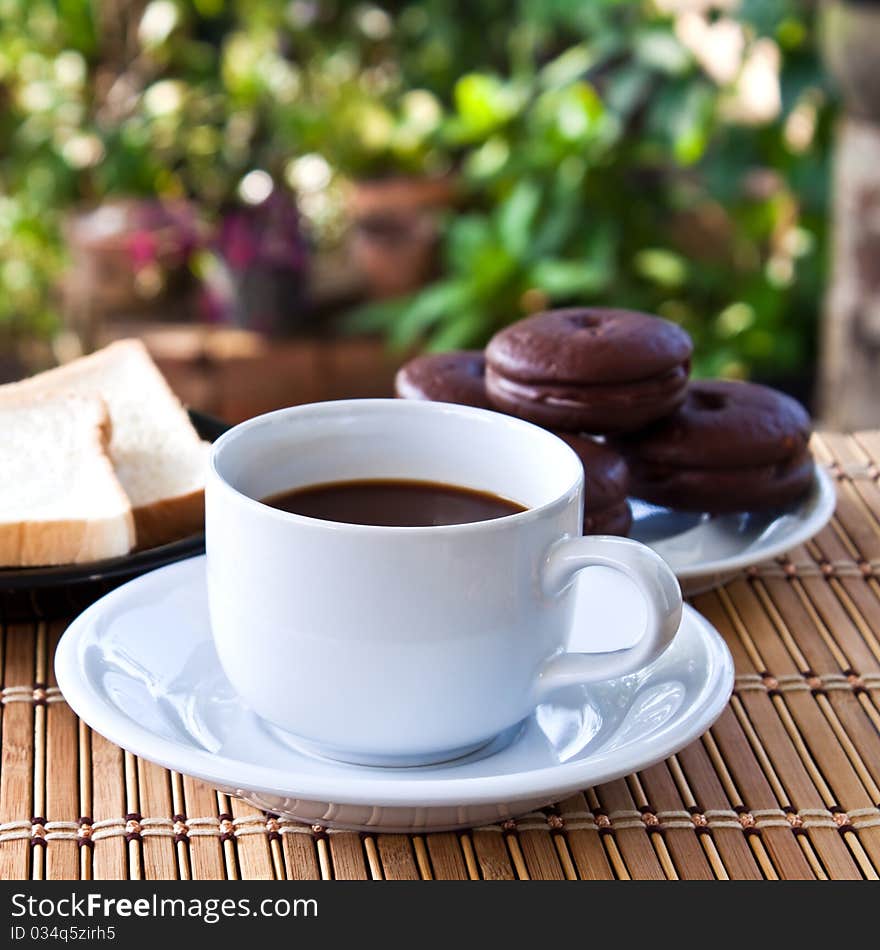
pixel 44 592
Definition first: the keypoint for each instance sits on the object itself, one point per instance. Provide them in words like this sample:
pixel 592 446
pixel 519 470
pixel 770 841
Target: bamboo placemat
pixel 785 785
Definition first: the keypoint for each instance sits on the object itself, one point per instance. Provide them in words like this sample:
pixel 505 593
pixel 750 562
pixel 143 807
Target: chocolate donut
pixel 731 446
pixel 606 483
pixel 589 369
pixel 457 377
pixel 614 520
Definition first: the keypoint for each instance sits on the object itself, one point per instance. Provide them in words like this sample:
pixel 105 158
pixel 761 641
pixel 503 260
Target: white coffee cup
pixel 407 645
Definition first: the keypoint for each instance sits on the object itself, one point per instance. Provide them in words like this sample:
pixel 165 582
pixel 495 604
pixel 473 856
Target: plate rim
pixel 94 709
pixel 823 494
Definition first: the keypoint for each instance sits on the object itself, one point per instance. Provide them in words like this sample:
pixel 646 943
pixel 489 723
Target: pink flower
pixel 143 248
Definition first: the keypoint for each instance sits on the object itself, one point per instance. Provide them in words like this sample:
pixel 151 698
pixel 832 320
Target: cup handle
pixel 657 585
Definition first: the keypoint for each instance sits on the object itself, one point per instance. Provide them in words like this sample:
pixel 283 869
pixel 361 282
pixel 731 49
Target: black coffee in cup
pixel 393 503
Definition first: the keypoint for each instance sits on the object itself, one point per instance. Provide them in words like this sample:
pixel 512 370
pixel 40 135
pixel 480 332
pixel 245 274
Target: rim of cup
pixel 414 407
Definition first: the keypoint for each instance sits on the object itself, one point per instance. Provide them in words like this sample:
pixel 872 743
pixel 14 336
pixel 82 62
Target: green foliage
pixel 169 98
pixel 603 161
pixel 616 172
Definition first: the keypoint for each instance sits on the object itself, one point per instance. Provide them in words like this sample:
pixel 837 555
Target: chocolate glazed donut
pixel 606 484
pixel 589 370
pixel 732 446
pixel 458 377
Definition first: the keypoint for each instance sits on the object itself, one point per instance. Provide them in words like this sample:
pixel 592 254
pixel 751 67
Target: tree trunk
pixel 850 360
pixel 850 355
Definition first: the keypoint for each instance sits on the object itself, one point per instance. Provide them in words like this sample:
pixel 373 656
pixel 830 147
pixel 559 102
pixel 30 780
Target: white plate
pixel 707 550
pixel 140 668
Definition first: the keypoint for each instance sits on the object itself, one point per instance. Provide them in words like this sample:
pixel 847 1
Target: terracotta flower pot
pixel 128 257
pixel 394 235
pixel 127 253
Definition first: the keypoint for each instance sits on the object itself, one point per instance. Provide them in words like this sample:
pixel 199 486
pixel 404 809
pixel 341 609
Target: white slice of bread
pixel 159 458
pixel 60 499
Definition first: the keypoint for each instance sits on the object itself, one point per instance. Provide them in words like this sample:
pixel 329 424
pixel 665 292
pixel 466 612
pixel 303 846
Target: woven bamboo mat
pixel 785 785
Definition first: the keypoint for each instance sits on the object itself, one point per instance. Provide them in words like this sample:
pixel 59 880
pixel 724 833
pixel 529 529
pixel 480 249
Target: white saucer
pixel 139 667
pixel 707 550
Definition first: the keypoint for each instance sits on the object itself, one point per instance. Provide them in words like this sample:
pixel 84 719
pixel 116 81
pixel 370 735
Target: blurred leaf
pixel 484 102
pixel 661 266
pixel 626 88
pixel 565 279
pixel 571 115
pixel 469 235
pixel 661 50
pixel 588 272
pixel 493 273
pixel 463 331
pixel 488 160
pixel 439 301
pixel 682 115
pixel 562 213
pixel 765 15
pixel 567 67
pixel 78 18
pixel 209 8
pixel 791 33
pixel 516 216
